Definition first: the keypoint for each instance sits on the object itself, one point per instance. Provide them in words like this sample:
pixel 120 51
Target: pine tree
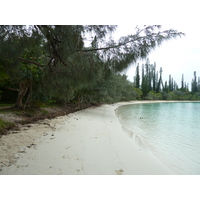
pixel 170 83
pixel 166 87
pixel 182 82
pixel 198 85
pixel 138 76
pixel 154 77
pixel 194 83
pixel 160 83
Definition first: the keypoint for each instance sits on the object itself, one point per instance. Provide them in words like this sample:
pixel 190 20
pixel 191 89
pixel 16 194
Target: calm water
pixel 171 131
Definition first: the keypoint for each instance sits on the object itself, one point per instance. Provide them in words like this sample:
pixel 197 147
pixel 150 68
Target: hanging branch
pixel 32 62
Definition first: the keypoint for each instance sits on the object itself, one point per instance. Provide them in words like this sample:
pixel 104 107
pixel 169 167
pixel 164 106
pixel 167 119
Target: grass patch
pixel 44 112
pixel 4 126
pixel 5 105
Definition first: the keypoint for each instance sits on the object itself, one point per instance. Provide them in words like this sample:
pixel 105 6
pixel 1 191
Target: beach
pixel 88 142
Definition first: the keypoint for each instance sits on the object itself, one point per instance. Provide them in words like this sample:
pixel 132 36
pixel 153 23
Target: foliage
pixel 152 95
pixel 114 89
pixel 152 87
pixel 4 126
pixel 149 80
pixel 137 93
pixel 50 62
pixel 166 96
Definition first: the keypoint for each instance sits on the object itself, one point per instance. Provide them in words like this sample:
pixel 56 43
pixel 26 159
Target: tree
pixel 137 76
pixel 65 64
pixel 144 87
pixel 115 88
pixel 194 83
pixel 170 83
pixel 160 82
pixel 198 85
pixel 16 47
pixel 154 76
pixel 182 82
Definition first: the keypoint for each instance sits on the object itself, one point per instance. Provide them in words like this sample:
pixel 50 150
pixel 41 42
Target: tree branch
pixel 13 89
pixel 97 49
pixel 32 62
pixel 148 37
pixel 111 47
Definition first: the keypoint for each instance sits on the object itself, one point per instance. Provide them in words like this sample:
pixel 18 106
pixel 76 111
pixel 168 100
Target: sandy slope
pixel 90 141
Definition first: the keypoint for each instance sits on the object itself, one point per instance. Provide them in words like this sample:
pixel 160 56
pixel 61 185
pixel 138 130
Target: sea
pixel 170 131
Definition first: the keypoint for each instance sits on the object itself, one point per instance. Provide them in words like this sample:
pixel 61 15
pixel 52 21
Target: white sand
pixel 91 141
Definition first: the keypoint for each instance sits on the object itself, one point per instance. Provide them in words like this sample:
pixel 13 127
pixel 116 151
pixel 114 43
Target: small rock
pixel 119 172
pixel 29 146
pixel 45 133
pixel 22 150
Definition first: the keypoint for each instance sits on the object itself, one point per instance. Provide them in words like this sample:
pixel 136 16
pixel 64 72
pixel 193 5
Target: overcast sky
pixel 176 56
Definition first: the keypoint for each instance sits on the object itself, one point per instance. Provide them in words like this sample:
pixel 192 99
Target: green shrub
pixel 5 126
pixel 137 93
pixel 153 96
pixel 166 96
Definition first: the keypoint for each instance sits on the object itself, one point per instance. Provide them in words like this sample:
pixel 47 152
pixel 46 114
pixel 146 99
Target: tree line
pixel 149 82
pixel 51 63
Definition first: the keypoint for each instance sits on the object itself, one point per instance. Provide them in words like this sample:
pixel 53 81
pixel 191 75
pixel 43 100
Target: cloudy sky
pixel 177 56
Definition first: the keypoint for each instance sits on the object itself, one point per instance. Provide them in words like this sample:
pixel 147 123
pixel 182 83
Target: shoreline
pixel 90 142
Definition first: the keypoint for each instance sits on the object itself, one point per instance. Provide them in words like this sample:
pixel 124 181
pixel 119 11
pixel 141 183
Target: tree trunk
pixel 22 91
pixel 23 87
pixel 29 95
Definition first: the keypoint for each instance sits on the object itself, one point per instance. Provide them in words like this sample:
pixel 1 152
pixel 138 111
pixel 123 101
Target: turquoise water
pixel 171 131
